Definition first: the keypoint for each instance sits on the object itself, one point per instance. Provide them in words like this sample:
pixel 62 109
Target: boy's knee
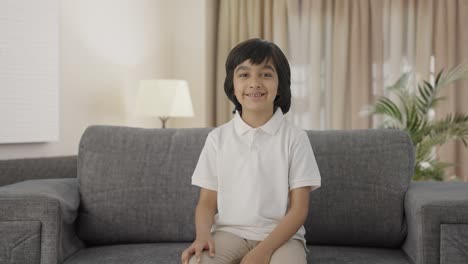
pixel 204 259
pixel 291 252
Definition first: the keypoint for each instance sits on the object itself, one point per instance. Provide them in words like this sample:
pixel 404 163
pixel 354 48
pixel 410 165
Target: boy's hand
pixel 257 256
pixel 197 247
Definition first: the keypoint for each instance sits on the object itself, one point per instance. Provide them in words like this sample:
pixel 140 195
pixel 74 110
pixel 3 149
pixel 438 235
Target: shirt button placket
pixel 254 146
pixel 251 139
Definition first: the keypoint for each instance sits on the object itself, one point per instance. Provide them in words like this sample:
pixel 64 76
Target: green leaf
pixel 437 79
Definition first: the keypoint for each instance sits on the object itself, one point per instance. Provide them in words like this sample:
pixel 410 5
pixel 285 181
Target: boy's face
pixel 255 86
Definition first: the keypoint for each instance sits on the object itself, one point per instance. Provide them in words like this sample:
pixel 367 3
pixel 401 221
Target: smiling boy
pixel 256 171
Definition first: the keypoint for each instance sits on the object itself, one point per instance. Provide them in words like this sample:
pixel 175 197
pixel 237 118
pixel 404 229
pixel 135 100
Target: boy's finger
pixel 198 254
pixel 186 254
pixel 183 259
pixel 191 250
pixel 212 247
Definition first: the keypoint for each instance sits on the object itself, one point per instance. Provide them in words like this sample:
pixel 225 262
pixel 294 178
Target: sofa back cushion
pixel 135 184
pixel 365 175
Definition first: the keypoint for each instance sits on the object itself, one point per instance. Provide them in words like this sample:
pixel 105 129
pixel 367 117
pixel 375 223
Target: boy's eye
pixel 267 75
pixel 242 75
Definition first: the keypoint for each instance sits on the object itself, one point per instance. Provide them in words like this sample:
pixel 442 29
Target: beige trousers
pixel 230 249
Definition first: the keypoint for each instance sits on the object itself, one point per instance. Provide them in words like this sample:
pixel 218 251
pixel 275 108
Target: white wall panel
pixel 29 70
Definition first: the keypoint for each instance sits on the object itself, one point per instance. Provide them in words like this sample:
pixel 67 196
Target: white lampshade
pixel 168 98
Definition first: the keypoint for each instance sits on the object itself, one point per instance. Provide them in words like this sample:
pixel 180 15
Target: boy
pixel 257 170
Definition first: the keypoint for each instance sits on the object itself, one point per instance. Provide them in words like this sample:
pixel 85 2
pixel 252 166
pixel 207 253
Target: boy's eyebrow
pixel 242 68
pixel 267 66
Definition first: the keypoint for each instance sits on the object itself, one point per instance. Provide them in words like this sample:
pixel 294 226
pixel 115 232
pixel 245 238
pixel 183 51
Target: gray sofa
pixel 127 198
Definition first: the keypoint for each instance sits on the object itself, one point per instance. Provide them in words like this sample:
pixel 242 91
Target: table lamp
pixel 164 99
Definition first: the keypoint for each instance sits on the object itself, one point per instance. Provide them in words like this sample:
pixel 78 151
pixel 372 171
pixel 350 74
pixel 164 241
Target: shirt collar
pixel 269 127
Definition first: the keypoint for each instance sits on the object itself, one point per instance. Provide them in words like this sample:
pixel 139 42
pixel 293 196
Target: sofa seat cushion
pixel 169 253
pixel 355 255
pixel 160 253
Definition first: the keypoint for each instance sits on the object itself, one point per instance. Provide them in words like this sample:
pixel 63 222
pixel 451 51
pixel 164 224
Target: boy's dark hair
pixel 258 51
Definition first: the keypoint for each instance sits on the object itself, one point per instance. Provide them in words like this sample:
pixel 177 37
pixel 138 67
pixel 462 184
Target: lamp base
pixel 163 120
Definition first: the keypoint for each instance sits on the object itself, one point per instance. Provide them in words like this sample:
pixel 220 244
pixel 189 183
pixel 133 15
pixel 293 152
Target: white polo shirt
pixel 253 170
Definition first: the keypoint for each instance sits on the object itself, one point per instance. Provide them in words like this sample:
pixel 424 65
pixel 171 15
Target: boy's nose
pixel 254 83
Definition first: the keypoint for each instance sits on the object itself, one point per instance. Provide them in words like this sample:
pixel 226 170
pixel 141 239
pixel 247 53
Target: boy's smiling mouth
pixel 255 94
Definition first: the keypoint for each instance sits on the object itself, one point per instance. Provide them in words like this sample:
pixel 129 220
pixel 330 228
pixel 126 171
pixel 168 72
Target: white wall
pixel 107 46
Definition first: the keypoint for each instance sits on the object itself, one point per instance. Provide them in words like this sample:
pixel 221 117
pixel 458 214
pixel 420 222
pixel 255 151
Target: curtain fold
pixel 359 72
pixel 339 60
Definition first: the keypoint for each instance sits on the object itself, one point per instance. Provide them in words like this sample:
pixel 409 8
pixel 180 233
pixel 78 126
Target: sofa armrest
pixel 437 217
pixel 37 221
pixel 17 170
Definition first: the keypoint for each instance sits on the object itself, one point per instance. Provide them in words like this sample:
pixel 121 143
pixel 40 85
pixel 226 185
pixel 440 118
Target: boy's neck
pixel 257 118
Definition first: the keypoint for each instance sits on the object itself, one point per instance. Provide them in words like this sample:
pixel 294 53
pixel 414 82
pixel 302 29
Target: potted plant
pixel 412 108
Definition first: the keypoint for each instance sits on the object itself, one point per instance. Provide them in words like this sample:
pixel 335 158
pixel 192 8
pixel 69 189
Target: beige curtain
pixel 343 53
pixel 330 47
pixel 239 20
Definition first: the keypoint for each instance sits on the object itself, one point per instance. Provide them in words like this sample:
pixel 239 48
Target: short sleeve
pixel 204 174
pixel 303 169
